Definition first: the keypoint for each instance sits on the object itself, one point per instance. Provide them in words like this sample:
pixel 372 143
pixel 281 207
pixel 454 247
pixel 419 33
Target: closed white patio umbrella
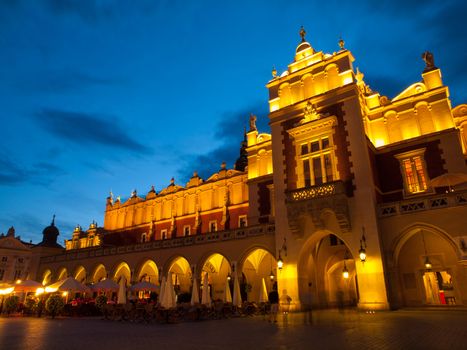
pixel 237 298
pixel 263 292
pixel 121 296
pixel 227 295
pixel 195 292
pixel 206 298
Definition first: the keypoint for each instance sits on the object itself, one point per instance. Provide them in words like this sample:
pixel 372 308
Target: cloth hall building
pixel 359 197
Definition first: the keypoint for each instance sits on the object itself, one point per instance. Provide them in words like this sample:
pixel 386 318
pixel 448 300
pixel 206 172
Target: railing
pixel 327 189
pixel 211 237
pixel 452 199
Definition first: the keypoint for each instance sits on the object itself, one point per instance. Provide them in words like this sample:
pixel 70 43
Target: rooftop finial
pixel 274 72
pixel 302 34
pixel 53 221
pixel 341 43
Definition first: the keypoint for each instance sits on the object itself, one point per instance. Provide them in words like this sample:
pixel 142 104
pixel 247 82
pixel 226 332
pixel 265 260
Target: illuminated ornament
pixel 341 43
pixel 271 276
pixel 362 254
pixel 345 271
pixel 274 72
pixel 280 263
pixel 428 265
pixel 229 277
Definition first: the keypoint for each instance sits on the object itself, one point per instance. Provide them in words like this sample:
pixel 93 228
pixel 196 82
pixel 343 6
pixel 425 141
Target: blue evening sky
pixel 120 95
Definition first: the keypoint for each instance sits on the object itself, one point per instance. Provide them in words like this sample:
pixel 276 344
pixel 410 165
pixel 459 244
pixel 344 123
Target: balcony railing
pixel 327 189
pixel 452 199
pixel 218 236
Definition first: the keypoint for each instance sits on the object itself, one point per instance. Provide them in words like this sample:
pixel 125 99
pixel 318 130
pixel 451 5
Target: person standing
pixel 273 298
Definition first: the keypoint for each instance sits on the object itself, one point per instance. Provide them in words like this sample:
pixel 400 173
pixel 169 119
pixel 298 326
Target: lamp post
pixel 362 251
pixel 345 271
pixel 427 263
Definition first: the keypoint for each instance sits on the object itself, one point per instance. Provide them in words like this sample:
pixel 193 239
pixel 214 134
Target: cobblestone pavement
pixel 405 329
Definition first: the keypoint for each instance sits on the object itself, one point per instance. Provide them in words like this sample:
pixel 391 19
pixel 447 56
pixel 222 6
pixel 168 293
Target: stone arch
pixel 99 273
pixel 414 283
pixel 258 263
pixel 47 277
pixel 218 268
pixel 285 95
pixel 80 274
pixel 147 270
pixel 181 271
pixel 122 269
pixel 320 266
pixel 414 229
pixel 332 71
pixel 62 273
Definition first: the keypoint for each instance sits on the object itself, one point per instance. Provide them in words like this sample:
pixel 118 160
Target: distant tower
pixel 242 161
pixel 49 236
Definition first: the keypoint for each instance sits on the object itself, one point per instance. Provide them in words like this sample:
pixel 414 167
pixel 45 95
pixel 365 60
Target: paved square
pixel 405 329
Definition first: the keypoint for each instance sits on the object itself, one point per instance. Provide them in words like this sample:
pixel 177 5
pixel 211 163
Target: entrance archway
pixel 80 274
pixel 218 269
pixel 122 269
pixel 321 265
pixel 426 264
pixel 181 275
pixel 259 264
pixel 148 272
pixel 99 274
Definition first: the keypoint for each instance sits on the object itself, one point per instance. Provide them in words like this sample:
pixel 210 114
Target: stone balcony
pixel 427 202
pixel 218 236
pixel 312 201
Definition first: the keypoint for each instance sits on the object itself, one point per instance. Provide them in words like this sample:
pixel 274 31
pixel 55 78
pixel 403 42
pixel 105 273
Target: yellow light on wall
pixel 64 294
pixel 40 291
pixel 6 291
pixel 18 281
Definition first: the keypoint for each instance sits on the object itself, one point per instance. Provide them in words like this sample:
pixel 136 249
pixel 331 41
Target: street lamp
pixel 362 251
pixel 428 265
pixel 271 276
pixel 345 271
pixel 280 262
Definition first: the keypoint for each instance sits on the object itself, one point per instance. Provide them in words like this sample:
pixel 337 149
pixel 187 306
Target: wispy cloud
pixel 12 173
pixel 230 134
pixel 88 129
pixel 62 81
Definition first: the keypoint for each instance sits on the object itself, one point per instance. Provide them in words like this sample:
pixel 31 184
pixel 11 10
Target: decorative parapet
pixel 219 236
pixel 313 201
pixel 328 189
pixel 447 200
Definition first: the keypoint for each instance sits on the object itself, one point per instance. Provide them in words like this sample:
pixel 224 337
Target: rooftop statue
pixel 252 122
pixel 429 61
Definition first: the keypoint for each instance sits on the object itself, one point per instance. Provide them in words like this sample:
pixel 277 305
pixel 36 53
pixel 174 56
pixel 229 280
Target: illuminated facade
pixel 340 192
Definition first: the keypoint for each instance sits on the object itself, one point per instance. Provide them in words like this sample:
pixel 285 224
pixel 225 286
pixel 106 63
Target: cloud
pixel 62 81
pixel 87 129
pixel 12 173
pixel 230 134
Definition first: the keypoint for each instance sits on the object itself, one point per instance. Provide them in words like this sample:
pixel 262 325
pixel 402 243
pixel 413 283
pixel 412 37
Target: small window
pixel 163 234
pixel 305 149
pixel 186 230
pixel 4 258
pixel 242 221
pixel 315 146
pixel 213 226
pixel 325 143
pixel 143 238
pixel 17 274
pixel 413 170
pixel 21 260
pixel 2 273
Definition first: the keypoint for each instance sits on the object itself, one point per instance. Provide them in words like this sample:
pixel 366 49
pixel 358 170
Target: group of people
pixel 274 300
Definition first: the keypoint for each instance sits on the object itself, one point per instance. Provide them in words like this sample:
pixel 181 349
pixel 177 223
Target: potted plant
pixel 54 305
pixel 11 304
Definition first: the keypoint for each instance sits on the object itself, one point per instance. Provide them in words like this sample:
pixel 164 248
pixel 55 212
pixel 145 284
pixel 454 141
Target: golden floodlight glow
pixel 6 291
pixel 428 265
pixel 345 271
pixel 379 142
pixel 40 291
pixel 50 290
pixel 64 294
pixel 280 263
pixel 18 281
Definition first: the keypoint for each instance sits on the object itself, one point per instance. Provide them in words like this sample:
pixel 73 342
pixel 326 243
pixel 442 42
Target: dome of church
pixel 303 46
